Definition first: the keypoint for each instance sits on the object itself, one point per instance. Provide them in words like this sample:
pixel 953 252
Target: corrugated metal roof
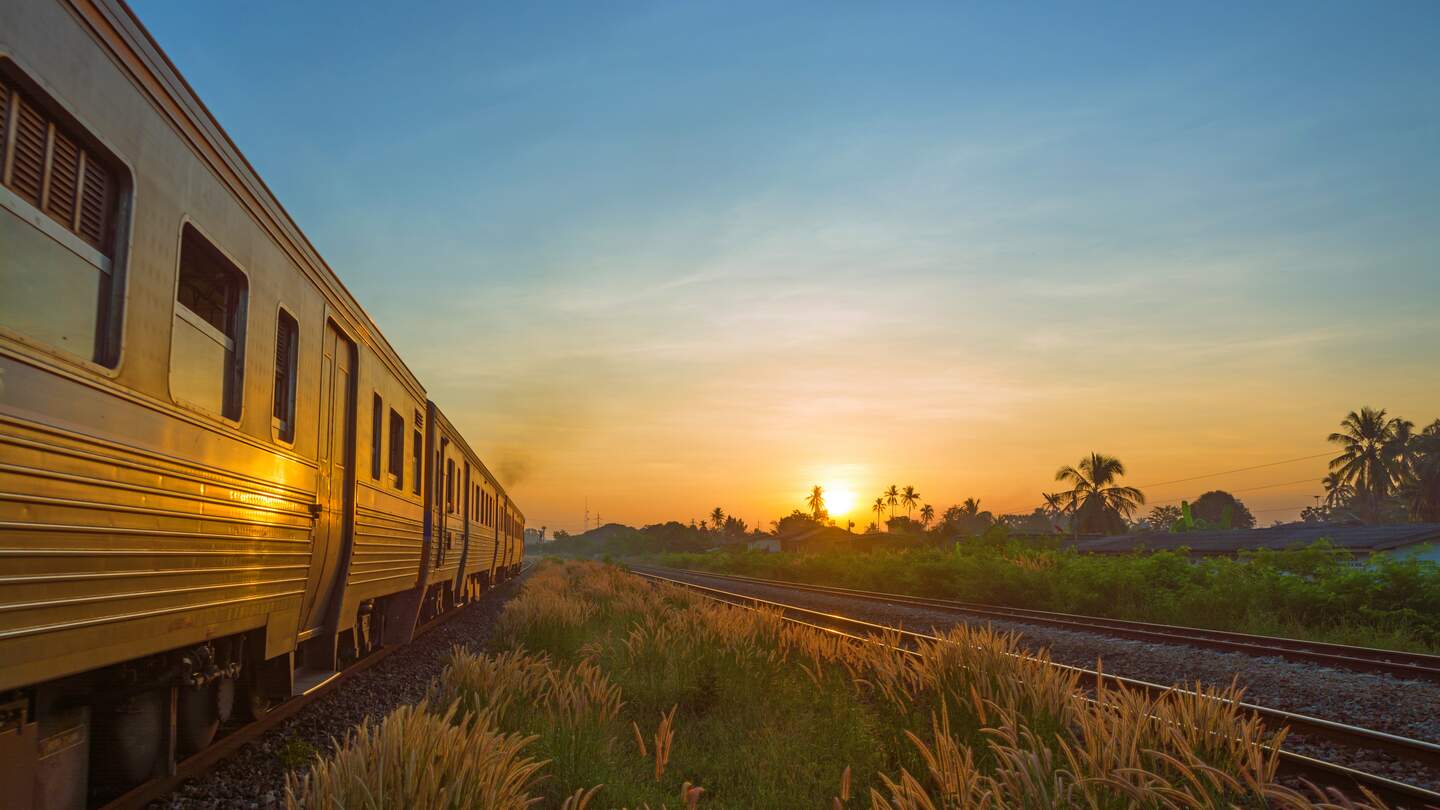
pixel 1354 538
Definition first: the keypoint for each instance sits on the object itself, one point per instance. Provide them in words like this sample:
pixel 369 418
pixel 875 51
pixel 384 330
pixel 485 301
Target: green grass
pixel 594 673
pixel 1307 593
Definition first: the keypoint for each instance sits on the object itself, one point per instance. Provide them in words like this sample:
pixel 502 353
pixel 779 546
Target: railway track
pixel 1293 764
pixel 201 762
pixel 1417 666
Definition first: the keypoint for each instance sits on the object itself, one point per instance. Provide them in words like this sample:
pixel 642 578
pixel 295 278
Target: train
pixel 220 484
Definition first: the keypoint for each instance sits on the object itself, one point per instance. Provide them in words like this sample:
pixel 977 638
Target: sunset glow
pixel 839 500
pixel 949 248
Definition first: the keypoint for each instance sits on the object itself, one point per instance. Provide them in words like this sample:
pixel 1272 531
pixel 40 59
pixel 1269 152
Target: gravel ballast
pixel 1375 701
pixel 255 776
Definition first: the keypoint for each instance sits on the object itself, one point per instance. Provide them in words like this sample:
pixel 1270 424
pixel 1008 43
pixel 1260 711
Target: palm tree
pixel 1424 487
pixel 1054 503
pixel 970 507
pixel 878 508
pixel 1403 448
pixel 892 498
pixel 1367 463
pixel 717 518
pixel 1097 502
pixel 816 500
pixel 910 498
pixel 927 514
pixel 1337 492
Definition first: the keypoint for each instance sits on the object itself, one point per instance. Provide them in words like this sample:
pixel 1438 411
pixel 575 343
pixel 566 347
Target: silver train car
pixel 219 483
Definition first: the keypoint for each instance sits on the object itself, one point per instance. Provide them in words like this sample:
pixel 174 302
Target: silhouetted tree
pixel 927 514
pixel 1367 463
pixel 892 498
pixel 1423 491
pixel 1162 518
pixel 879 509
pixel 910 498
pixel 717 518
pixel 816 502
pixel 1221 510
pixel 1096 502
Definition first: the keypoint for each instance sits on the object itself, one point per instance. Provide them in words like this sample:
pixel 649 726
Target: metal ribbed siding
pixel 108 552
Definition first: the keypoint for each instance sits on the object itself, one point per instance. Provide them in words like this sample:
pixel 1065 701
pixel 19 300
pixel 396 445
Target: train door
pixel 465 522
pixel 335 480
pixel 445 479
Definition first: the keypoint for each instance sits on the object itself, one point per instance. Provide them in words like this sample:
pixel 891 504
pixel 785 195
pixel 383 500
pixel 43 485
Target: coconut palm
pixel 1096 500
pixel 970 507
pixel 927 514
pixel 717 517
pixel 878 508
pixel 892 498
pixel 1367 463
pixel 1403 448
pixel 910 498
pixel 1424 487
pixel 1337 492
pixel 816 501
pixel 1054 503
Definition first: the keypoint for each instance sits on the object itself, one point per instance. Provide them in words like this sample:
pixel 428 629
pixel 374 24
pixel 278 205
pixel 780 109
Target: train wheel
pixel 197 717
pixel 129 740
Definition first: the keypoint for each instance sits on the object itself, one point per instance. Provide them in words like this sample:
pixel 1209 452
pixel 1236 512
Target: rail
pixel 1294 764
pixel 1417 666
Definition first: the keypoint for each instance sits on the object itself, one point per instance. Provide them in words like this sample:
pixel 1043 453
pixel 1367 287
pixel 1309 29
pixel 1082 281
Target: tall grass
pixel 608 692
pixel 1305 593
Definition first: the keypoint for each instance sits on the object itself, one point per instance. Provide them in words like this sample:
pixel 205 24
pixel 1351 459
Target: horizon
pixel 665 259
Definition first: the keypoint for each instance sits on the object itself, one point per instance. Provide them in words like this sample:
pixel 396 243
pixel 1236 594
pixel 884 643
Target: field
pixel 1307 593
pixel 604 691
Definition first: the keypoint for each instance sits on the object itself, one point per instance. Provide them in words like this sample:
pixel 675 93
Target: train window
pixel 282 413
pixel 449 485
pixel 376 410
pixel 60 200
pixel 397 450
pixel 207 345
pixel 416 450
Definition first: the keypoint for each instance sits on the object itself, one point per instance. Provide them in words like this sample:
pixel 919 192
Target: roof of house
pixel 1353 538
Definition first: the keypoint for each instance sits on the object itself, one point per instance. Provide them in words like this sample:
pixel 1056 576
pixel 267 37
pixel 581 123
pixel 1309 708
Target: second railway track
pixel 1351 769
pixel 1414 666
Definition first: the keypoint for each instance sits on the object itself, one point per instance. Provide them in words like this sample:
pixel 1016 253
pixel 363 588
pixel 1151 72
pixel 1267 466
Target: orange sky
pixel 665 258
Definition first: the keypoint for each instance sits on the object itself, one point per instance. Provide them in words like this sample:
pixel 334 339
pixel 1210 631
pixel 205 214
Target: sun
pixel 839 499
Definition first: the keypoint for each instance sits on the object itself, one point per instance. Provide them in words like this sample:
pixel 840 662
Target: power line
pixel 1242 489
pixel 1228 472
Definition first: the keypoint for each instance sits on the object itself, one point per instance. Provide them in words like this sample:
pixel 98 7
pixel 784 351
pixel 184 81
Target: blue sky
pixel 664 256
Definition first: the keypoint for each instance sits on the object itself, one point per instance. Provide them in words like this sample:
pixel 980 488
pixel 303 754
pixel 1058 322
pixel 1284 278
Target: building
pixel 1410 540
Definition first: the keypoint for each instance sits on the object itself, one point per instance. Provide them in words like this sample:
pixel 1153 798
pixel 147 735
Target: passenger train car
pixel 219 483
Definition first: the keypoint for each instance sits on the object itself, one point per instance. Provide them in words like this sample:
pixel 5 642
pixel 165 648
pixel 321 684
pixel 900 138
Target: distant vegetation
pixel 1385 472
pixel 606 692
pixel 1308 593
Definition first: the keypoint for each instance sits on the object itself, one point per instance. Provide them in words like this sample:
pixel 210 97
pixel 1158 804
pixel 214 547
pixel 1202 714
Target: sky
pixel 654 258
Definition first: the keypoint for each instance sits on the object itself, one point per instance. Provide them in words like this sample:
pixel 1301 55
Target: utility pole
pixel 585 527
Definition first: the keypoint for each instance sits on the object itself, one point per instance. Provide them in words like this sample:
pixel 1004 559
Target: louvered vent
pixel 419 421
pixel 95 204
pixel 64 181
pixel 29 160
pixel 75 186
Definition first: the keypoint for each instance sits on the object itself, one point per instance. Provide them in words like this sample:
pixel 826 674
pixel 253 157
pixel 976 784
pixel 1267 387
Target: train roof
pixel 118 27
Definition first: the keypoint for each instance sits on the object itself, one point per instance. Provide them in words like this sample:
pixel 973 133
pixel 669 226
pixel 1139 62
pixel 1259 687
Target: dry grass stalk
pixel 664 738
pixel 580 799
pixel 416 758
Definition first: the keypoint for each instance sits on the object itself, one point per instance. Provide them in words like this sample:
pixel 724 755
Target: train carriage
pixel 218 481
